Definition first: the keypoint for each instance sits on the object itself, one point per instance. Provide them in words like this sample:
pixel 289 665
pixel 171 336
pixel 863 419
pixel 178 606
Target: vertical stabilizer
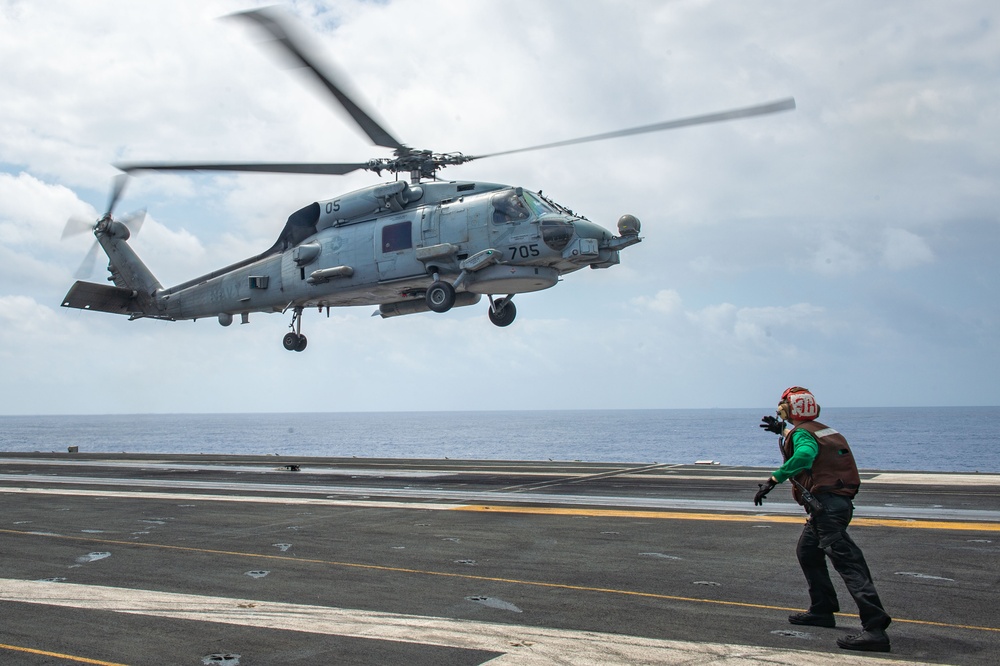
pixel 135 287
pixel 127 269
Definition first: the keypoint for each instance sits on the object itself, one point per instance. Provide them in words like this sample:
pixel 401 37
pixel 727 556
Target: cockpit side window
pixel 397 237
pixel 508 207
pixel 557 232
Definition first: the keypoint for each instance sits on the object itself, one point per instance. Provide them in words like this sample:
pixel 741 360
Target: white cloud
pixel 34 212
pixel 905 249
pixel 173 253
pixel 761 329
pixel 836 256
pixel 25 322
pixel 665 301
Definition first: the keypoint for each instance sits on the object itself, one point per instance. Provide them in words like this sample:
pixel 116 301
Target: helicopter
pixel 408 246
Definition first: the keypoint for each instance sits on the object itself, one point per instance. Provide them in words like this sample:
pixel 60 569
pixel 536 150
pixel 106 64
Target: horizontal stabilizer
pixel 101 297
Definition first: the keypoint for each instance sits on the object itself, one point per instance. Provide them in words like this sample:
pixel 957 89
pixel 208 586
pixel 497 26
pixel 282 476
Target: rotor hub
pixel 418 163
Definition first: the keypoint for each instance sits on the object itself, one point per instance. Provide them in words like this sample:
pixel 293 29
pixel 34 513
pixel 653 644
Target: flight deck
pixel 208 559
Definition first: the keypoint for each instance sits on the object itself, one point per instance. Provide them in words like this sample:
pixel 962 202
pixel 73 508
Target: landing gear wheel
pixel 440 297
pixel 502 312
pixel 291 341
pixel 294 340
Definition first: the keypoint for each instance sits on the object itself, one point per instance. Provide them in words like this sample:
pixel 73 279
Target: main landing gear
pixel 294 340
pixel 440 297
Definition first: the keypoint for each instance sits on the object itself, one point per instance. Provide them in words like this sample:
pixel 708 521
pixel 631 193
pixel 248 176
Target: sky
pixel 849 246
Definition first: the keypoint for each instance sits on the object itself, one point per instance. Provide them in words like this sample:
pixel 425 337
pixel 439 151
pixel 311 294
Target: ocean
pixel 947 439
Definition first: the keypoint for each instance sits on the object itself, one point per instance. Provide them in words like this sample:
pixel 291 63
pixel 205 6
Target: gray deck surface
pixel 132 559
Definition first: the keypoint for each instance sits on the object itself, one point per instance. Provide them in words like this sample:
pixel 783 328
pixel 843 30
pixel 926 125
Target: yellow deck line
pixel 727 517
pixel 59 655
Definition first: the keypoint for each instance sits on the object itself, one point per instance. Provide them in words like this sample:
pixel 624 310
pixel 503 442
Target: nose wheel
pixel 502 311
pixel 294 340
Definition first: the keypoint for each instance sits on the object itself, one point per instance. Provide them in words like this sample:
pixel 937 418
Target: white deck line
pixel 518 644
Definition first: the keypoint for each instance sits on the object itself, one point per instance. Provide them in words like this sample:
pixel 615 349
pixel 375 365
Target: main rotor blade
pixel 278 27
pixel 759 110
pixel 263 167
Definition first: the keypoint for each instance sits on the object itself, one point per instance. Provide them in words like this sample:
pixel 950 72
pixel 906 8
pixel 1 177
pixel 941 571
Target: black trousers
pixel 825 536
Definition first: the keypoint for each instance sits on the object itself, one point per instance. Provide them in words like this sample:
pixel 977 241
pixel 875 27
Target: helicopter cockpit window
pixel 537 205
pixel 509 207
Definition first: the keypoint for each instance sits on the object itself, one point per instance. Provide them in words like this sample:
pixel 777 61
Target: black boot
pixel 813 619
pixel 872 640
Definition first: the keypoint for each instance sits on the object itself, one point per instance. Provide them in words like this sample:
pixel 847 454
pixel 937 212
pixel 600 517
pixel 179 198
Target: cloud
pixel 25 321
pixel 761 329
pixel 34 212
pixel 665 301
pixel 838 256
pixel 905 249
pixel 726 329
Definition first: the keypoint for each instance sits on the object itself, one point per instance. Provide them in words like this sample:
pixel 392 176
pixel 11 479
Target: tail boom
pixel 135 287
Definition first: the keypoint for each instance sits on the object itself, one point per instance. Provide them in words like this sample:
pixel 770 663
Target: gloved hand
pixel 771 424
pixel 765 488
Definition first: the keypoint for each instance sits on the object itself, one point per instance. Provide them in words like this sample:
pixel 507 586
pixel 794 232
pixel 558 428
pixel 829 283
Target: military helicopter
pixel 406 246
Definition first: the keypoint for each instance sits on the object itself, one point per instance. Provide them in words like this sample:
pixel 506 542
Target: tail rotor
pixel 77 225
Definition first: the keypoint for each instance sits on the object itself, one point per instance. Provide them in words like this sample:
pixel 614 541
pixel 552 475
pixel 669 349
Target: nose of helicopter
pixel 578 238
pixel 587 229
pixel 607 244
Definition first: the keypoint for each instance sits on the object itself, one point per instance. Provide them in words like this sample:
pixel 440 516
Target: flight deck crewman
pixel 818 458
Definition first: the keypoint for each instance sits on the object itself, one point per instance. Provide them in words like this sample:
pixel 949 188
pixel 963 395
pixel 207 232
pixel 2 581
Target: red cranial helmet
pixel 799 404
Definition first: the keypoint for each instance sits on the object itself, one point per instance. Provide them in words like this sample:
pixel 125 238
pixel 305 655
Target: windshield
pixel 537 205
pixel 515 205
pixel 508 207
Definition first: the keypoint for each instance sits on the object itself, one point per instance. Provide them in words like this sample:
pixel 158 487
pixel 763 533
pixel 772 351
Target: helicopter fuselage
pixel 384 245
pixel 375 247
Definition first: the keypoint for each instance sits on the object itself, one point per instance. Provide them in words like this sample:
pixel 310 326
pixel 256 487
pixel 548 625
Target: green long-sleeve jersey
pixel 805 448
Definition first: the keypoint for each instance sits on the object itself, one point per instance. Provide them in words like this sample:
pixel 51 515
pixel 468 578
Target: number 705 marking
pixel 524 251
